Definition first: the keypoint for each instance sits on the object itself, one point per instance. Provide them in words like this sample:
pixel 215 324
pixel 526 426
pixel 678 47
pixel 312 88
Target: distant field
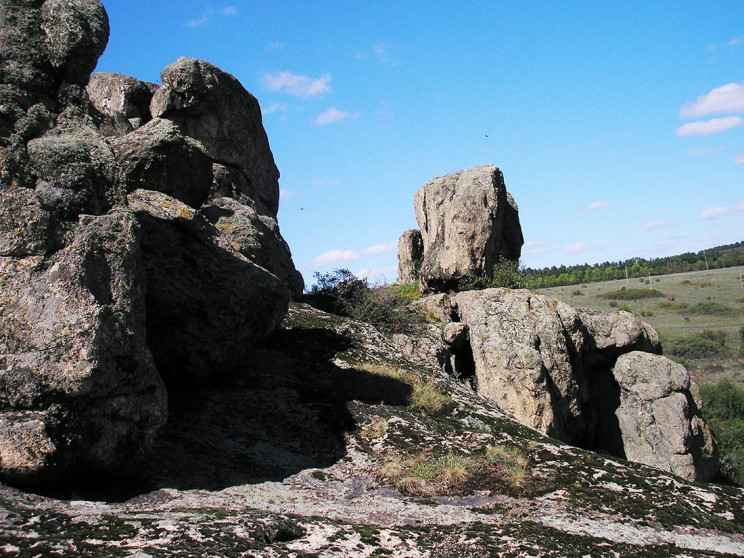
pixel 691 303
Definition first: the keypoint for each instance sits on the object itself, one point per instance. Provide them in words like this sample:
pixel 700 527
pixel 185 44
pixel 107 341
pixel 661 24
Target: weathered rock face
pixel 659 417
pixel 125 101
pixel 468 221
pixel 410 256
pixel 256 237
pixel 79 387
pixel 158 157
pixel 206 303
pixel 551 367
pixel 212 107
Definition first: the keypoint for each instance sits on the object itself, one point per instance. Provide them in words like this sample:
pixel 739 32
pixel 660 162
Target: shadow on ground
pixel 283 411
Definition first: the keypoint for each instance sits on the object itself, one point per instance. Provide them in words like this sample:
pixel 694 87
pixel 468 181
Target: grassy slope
pixel 717 285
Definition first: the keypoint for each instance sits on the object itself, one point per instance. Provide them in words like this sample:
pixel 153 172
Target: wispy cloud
pixel 331 116
pixel 579 247
pixel 275 107
pixel 739 159
pixel 537 247
pixel 715 212
pixel 594 206
pixel 275 46
pixel 230 11
pixel 736 41
pixel 344 256
pixel 653 225
pixel 285 194
pixel 704 151
pixel 297 85
pixel 379 274
pixel 709 127
pixel 335 257
pixel 197 22
pixel 727 99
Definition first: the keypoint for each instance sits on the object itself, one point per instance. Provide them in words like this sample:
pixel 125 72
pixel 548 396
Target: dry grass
pixel 425 396
pixel 422 474
pixel 376 429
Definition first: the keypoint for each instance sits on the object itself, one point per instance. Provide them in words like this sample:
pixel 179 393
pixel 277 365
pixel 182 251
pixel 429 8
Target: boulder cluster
pixel 593 379
pixel 468 222
pixel 138 243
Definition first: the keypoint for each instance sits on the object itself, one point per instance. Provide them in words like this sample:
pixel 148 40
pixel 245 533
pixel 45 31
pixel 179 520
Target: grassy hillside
pixel 683 307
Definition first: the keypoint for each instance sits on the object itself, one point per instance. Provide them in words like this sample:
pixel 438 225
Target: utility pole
pixel 706 262
pixel 649 280
pixel 627 281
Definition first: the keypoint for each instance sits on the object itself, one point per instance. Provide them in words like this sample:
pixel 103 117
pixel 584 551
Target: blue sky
pixel 619 126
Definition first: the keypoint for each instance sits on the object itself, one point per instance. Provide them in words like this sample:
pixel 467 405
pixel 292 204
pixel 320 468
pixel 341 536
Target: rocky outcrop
pixel 83 349
pixel 410 256
pixel 212 107
pixel 553 367
pixel 659 417
pixel 468 222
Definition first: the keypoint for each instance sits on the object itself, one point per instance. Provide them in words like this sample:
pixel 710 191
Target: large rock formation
pixel 97 300
pixel 468 222
pixel 553 367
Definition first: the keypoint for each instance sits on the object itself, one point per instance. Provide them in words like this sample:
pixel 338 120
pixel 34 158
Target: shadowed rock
pixel 125 101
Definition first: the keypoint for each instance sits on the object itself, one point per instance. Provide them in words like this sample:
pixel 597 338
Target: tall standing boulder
pixel 122 100
pixel 468 222
pixel 410 256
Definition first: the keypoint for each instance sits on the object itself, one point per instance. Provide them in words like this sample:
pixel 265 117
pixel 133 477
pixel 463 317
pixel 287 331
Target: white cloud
pixel 331 116
pixel 735 41
pixel 285 194
pixel 709 127
pixel 380 248
pixel 343 256
pixel 597 205
pixel 378 275
pixel 739 159
pixel 275 45
pixel 275 107
pixel 703 151
pixel 653 225
pixel 715 212
pixel 335 257
pixel 727 99
pixel 230 11
pixel 197 22
pixel 297 85
pixel 537 247
pixel 579 247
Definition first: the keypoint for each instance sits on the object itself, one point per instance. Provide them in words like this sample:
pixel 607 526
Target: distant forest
pixel 729 255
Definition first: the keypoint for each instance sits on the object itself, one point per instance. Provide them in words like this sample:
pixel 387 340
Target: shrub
pixel 723 409
pixel 613 304
pixel 647 312
pixel 706 344
pixel 577 292
pixel 632 294
pixel 385 307
pixel 741 340
pixel 710 309
pixel 625 307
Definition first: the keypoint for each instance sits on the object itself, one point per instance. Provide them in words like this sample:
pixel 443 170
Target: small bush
pixel 647 312
pixel 577 292
pixel 613 304
pixel 706 344
pixel 625 307
pixel 710 309
pixel 705 284
pixel 385 307
pixel 632 294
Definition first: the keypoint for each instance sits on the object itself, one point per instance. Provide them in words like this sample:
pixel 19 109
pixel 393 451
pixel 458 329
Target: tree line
pixel 729 255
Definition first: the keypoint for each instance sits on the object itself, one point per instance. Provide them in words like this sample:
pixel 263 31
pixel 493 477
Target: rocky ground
pixel 330 442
